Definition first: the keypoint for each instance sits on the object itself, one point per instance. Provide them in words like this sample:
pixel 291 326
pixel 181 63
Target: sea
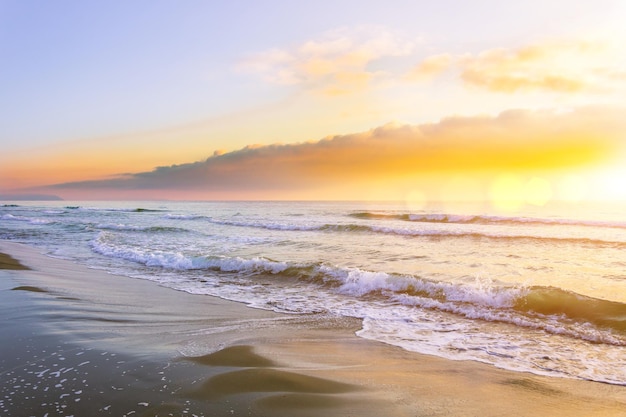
pixel 540 290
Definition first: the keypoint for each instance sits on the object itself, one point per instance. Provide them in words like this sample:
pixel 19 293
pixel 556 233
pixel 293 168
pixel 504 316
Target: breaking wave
pixel 548 309
pixel 29 220
pixel 179 261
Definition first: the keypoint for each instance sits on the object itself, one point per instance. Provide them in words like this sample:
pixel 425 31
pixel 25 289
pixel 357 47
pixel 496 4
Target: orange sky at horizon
pixel 518 156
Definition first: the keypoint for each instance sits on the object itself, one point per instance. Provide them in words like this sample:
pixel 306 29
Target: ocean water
pixel 541 291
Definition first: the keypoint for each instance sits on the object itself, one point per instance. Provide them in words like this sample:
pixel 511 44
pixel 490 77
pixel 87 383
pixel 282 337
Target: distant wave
pixel 14 218
pixel 544 308
pixel 399 231
pixel 30 220
pixel 489 235
pixel 172 216
pixel 150 229
pixel 482 219
pixel 269 226
pixel 236 223
pixel 374 228
pixel 116 209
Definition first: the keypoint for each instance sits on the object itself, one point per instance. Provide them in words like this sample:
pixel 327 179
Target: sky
pixel 515 103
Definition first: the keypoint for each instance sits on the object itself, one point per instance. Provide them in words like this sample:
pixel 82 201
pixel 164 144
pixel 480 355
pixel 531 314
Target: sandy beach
pixel 78 341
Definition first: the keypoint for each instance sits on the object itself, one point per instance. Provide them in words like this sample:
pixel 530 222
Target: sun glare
pixel 610 184
pixel 510 192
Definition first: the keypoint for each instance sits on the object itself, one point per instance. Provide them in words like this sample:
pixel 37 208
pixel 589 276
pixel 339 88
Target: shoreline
pixel 178 352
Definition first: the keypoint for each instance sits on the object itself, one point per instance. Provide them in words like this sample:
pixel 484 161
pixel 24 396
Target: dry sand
pixel 77 341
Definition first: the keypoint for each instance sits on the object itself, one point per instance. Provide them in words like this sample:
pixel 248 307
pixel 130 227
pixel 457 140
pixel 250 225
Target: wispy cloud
pixel 514 141
pixel 559 67
pixel 562 67
pixel 431 67
pixel 340 62
pixel 335 63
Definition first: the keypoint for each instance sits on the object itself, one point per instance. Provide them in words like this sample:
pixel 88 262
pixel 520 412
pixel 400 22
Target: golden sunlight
pixel 610 184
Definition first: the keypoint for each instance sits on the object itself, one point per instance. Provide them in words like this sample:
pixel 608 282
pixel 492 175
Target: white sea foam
pixel 53 211
pixel 14 218
pixel 172 216
pixel 180 261
pixel 266 225
pixel 30 220
pixel 445 336
pixel 119 226
pixel 357 282
pixel 41 221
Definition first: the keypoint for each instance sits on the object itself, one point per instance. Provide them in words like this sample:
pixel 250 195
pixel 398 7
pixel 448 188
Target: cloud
pixel 431 67
pixel 560 67
pixel 340 62
pixel 513 141
pixel 336 63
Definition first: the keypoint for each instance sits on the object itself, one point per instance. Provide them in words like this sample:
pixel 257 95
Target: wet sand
pixel 8 262
pixel 78 342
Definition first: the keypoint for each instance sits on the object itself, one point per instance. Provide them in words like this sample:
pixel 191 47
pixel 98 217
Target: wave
pixel 142 210
pixel 440 234
pixel 548 309
pixel 172 216
pixel 399 231
pixel 555 301
pixel 253 224
pixel 14 218
pixel 130 228
pixel 492 236
pixel 483 219
pixel 545 308
pixel 269 226
pixel 29 220
pixel 179 261
pixel 115 209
